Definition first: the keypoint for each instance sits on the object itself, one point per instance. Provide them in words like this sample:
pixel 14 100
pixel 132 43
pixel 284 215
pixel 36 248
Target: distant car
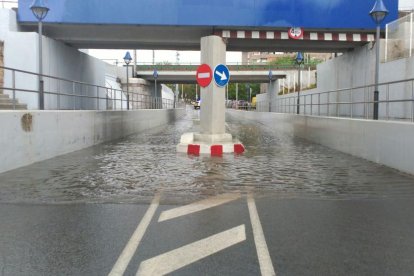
pixel 197 105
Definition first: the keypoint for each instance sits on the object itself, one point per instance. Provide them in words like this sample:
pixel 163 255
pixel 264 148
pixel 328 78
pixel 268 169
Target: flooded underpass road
pixel 136 207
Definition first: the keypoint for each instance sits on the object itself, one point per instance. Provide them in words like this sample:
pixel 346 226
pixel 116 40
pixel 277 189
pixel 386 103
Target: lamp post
pixel 378 13
pixel 155 75
pixel 40 11
pixel 269 93
pixel 247 94
pixel 127 60
pixel 299 61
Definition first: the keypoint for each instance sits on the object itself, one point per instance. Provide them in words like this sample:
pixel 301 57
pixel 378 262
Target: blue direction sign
pixel 221 75
pixel 155 74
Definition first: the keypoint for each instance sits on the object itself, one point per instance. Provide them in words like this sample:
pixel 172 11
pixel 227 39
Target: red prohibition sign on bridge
pixel 204 75
pixel 295 33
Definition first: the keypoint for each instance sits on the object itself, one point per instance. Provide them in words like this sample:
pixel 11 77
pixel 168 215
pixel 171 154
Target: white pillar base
pixel 205 144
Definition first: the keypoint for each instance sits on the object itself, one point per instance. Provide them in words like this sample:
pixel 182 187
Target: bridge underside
pixel 87 36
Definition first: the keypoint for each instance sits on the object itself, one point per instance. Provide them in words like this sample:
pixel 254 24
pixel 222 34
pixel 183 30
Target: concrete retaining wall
pixel 387 143
pixel 28 137
pixel 354 69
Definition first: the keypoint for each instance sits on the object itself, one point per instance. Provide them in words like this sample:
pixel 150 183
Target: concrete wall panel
pixel 387 143
pixel 28 137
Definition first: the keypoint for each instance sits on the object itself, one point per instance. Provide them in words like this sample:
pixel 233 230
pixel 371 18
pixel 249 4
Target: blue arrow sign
pixel 221 75
pixel 155 74
pixel 270 75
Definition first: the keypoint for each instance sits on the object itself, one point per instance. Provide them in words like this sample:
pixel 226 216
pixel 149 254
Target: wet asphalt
pixel 304 237
pixel 354 220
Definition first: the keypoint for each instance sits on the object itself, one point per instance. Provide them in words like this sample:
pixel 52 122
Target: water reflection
pixel 132 169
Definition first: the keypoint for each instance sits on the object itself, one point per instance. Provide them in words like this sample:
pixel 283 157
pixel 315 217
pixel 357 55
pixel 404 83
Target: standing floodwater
pixel 133 169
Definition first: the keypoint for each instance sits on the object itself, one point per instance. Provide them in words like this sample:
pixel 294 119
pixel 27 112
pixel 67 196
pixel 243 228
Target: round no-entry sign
pixel 204 75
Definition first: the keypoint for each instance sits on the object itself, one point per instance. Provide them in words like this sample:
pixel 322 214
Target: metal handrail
pixel 193 67
pixel 134 101
pixel 358 100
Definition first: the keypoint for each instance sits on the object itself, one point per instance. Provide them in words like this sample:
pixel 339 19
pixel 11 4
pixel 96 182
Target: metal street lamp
pixel 155 75
pixel 247 94
pixel 40 11
pixel 127 60
pixel 378 13
pixel 299 61
pixel 270 75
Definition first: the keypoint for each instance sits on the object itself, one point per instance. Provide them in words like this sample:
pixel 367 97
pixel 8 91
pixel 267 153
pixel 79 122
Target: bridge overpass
pixel 239 73
pixel 246 25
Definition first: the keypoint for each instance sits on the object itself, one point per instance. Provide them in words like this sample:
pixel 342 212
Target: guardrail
pixel 232 67
pixel 396 102
pixel 65 94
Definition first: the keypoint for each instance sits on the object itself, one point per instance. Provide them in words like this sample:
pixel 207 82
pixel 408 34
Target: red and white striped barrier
pixel 214 150
pixel 213 145
pixel 307 35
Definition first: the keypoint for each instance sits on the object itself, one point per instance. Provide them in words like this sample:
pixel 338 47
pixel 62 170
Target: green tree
pixel 244 93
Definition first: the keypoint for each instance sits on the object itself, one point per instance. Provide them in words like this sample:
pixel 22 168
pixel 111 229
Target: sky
pixel 145 56
pixel 406 4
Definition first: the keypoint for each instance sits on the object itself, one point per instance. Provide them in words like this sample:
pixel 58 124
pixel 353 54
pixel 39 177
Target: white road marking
pixel 266 266
pixel 132 245
pixel 190 253
pixel 198 206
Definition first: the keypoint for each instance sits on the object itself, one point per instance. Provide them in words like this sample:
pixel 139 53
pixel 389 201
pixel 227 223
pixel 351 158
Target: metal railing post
pixel 328 104
pixel 97 97
pixel 107 99
pixel 304 104
pixel 14 88
pixel 74 96
pixel 319 104
pixel 337 103
pixel 114 97
pixel 364 115
pixel 311 104
pixel 388 102
pixel 58 96
pixel 351 103
pixel 412 101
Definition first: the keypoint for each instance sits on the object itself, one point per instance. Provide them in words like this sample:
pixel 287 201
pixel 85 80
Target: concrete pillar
pixel 212 138
pixel 212 112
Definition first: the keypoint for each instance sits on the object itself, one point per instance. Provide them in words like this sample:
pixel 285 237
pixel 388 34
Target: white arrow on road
pixel 222 75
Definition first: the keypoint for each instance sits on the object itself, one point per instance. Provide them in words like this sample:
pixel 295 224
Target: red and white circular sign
pixel 295 33
pixel 204 75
